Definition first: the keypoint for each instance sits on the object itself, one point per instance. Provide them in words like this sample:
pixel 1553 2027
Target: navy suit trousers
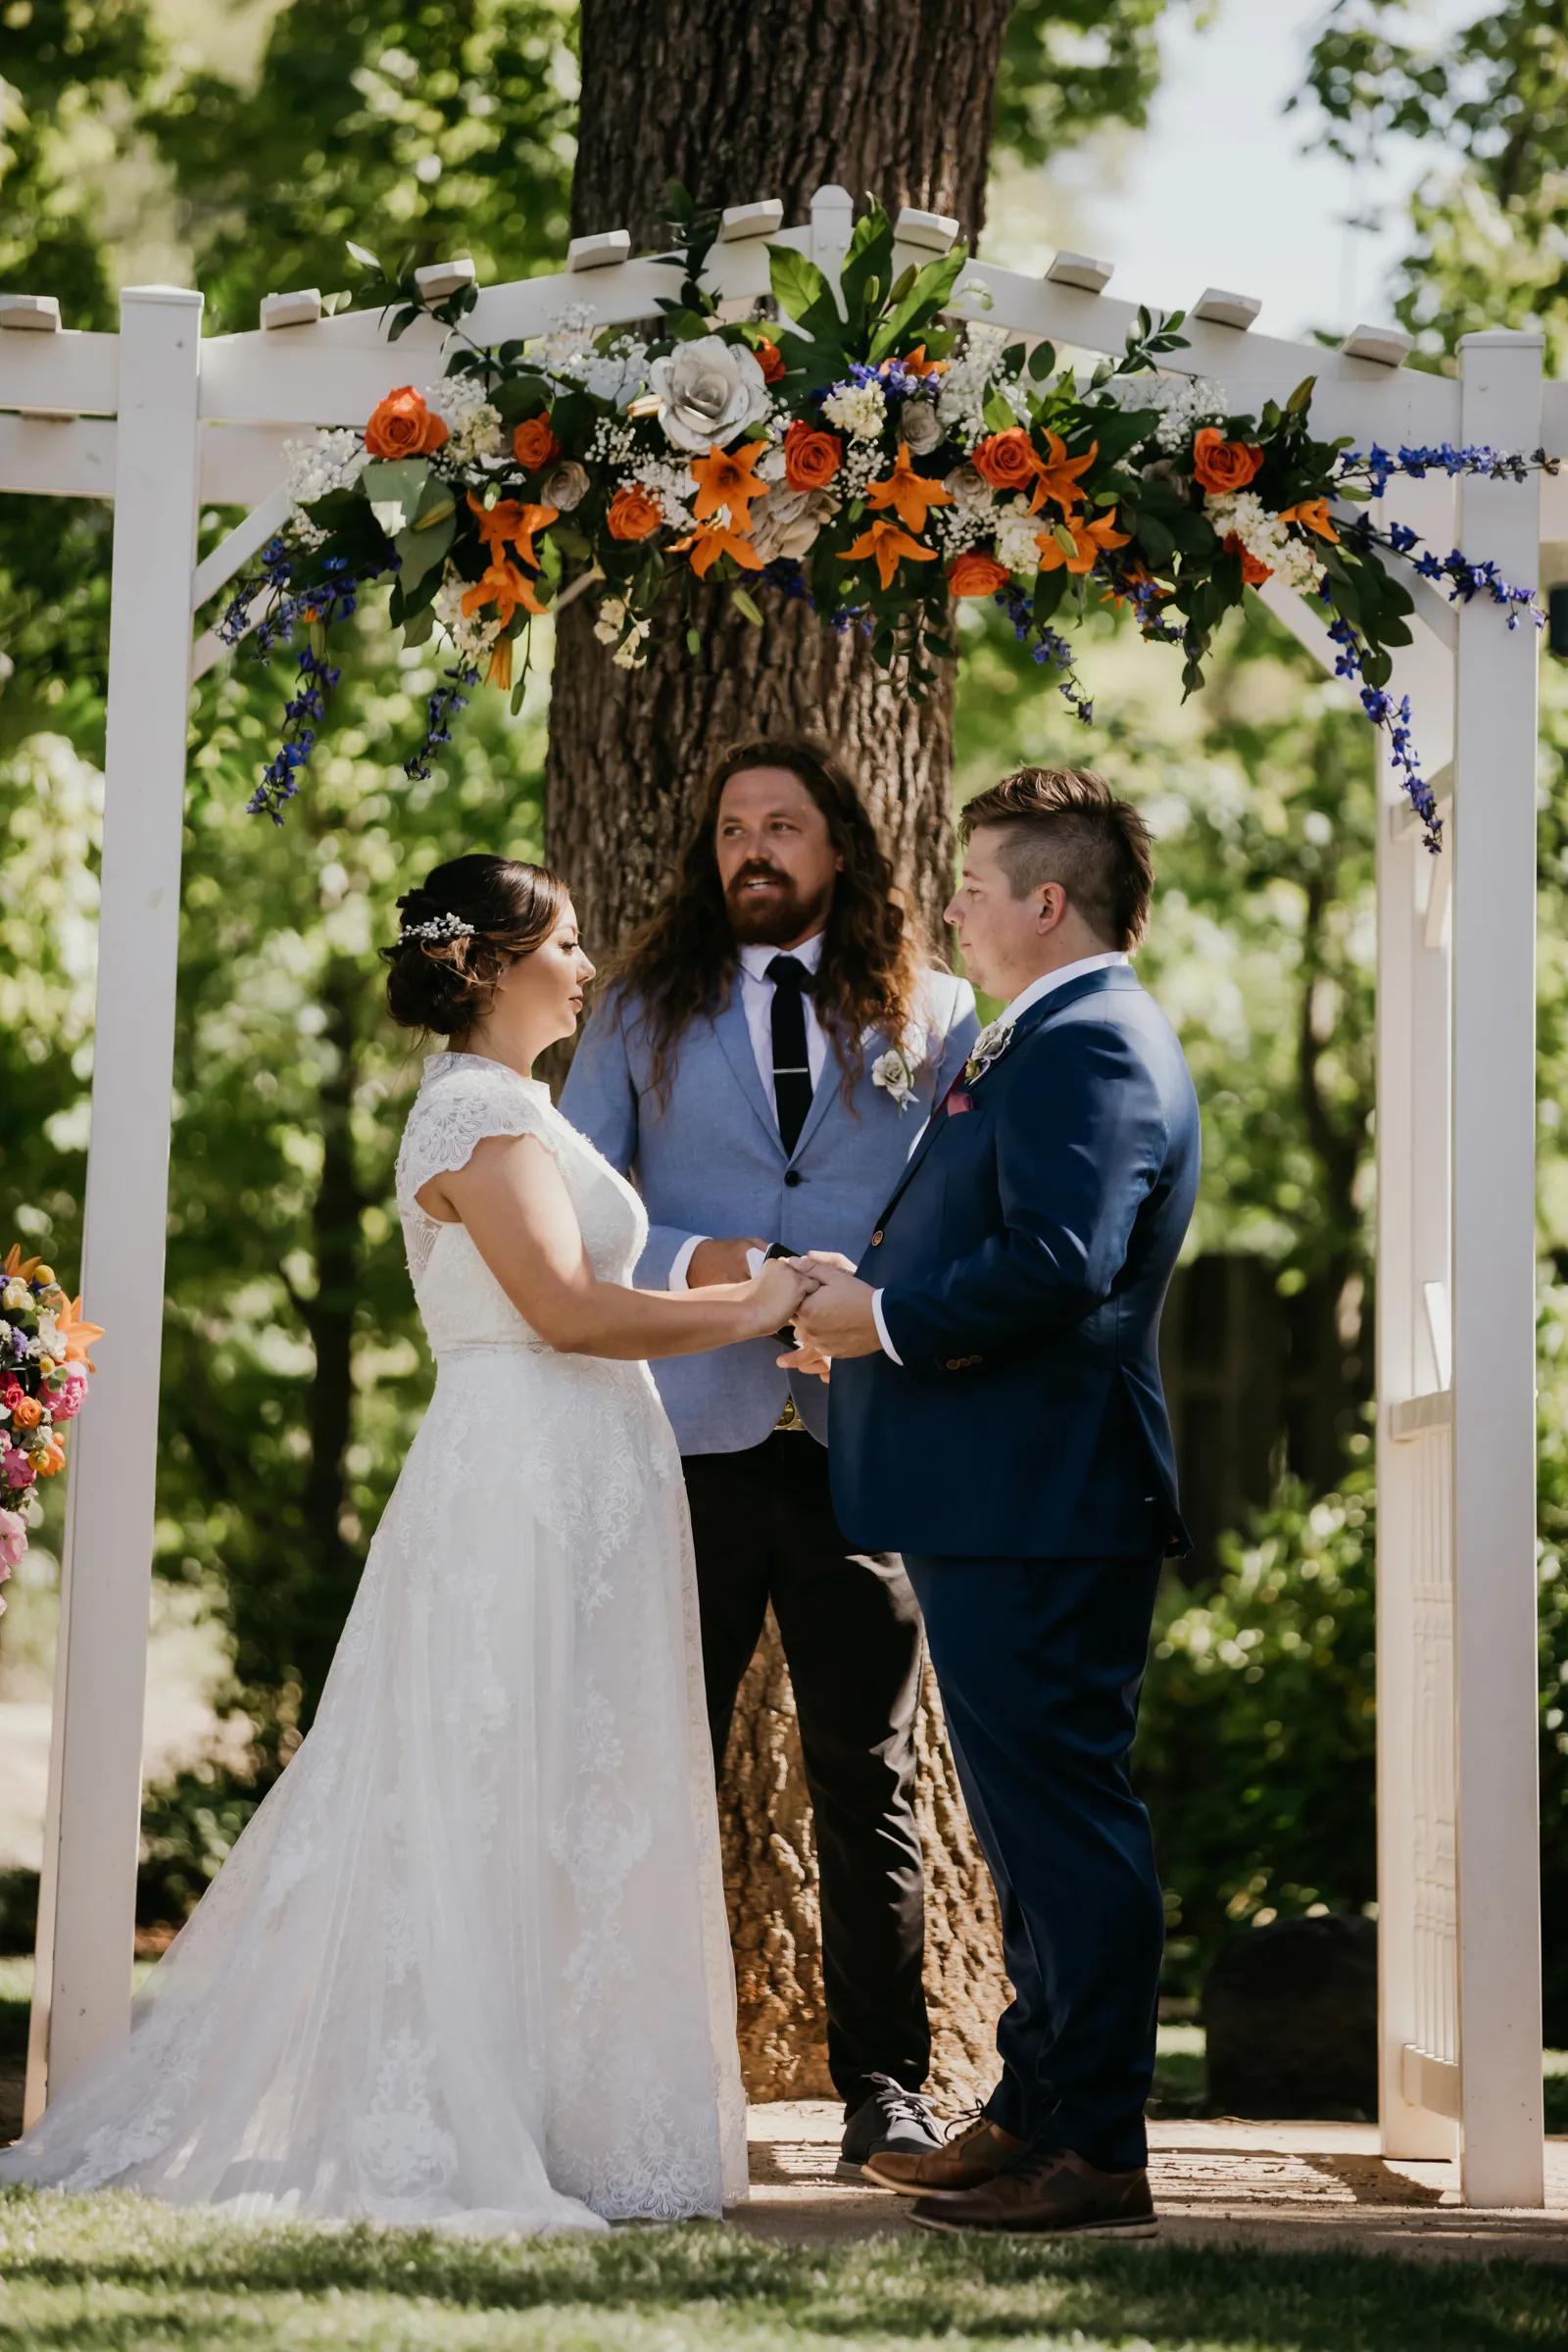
pixel 1040 1663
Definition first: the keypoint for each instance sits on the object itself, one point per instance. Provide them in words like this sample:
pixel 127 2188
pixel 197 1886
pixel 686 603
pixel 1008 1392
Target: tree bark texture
pixel 777 99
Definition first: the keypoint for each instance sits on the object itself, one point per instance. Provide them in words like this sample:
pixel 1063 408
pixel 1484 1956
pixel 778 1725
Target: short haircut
pixel 1066 824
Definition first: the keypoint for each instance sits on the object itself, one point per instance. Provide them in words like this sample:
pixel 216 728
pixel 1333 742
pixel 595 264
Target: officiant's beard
pixel 776 918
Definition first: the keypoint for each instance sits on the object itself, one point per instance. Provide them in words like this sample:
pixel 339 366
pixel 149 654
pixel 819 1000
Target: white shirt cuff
pixel 681 1267
pixel 888 1348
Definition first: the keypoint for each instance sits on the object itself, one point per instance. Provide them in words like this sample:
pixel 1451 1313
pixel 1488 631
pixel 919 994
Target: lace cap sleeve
pixel 454 1113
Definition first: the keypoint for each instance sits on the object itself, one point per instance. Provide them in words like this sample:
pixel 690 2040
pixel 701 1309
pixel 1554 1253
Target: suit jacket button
pixel 877 1239
pixel 792 1177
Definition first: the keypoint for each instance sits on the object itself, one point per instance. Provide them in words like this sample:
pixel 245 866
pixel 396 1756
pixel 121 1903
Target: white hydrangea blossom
pixel 471 419
pixel 1265 536
pixel 1019 536
pixel 617 373
pixel 471 635
pixel 961 400
pixel 329 460
pixel 858 409
pixel 1184 402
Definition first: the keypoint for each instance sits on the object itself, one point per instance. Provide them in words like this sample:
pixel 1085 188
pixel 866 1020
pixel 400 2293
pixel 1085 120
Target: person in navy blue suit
pixel 997 1416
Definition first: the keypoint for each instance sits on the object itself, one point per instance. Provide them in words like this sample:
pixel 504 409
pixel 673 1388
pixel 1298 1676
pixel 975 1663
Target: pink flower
pixel 18 1470
pixel 65 1404
pixel 13 1542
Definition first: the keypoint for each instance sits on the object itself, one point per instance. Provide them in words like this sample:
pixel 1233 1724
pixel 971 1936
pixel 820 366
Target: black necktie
pixel 792 1068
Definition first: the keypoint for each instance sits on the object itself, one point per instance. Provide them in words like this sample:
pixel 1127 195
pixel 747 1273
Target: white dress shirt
pixel 1038 988
pixel 756 999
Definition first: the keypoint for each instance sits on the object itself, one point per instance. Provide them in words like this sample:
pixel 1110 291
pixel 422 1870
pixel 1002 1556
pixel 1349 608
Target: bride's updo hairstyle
pixel 461 929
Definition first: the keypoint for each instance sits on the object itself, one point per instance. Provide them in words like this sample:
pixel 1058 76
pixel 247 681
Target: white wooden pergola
pixel 166 422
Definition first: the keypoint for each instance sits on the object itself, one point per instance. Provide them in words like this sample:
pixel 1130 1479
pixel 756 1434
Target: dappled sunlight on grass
pixel 114 2270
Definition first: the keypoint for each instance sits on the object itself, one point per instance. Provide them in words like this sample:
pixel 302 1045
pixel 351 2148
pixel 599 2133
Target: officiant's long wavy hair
pixel 682 961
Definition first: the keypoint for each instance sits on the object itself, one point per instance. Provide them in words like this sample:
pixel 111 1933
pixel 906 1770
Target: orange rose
pixel 1222 464
pixel 811 458
pixel 26 1412
pixel 1006 460
pixel 1255 571
pixel 50 1459
pixel 975 575
pixel 403 427
pixel 770 360
pixel 633 513
pixel 533 444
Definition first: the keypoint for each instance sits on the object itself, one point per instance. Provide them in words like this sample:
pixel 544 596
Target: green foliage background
pixel 240 151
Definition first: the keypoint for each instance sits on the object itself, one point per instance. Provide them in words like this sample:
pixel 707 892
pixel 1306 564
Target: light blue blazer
pixel 712 1161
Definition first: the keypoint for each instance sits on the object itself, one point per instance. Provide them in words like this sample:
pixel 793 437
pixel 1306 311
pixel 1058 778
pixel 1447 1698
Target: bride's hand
pixel 774 1292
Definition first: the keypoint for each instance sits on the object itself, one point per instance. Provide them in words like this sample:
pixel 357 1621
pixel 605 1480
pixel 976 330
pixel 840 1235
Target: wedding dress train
pixel 469 1964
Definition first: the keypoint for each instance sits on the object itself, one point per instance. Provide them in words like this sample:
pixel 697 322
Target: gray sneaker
pixel 891 2118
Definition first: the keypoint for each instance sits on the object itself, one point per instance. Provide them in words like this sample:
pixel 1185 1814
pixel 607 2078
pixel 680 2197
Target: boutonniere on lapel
pixel 988 1046
pixel 892 1072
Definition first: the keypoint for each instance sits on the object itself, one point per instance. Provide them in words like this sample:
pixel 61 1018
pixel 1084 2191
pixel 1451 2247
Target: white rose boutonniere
pixel 892 1072
pixel 988 1046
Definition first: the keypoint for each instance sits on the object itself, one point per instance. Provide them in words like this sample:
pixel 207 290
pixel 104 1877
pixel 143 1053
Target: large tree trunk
pixel 777 99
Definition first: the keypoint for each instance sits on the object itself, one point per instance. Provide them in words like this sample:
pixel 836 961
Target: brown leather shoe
pixel 1055 2193
pixel 972 2156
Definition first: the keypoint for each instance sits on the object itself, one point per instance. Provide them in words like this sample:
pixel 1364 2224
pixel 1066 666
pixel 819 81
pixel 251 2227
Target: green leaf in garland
pixel 746 605
pixel 1301 398
pixel 998 413
pixel 1041 360
pixel 394 487
pixel 800 290
pixel 424 543
pixel 926 296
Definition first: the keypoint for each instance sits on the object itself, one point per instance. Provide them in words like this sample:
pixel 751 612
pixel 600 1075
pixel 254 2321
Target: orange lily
pixel 14 1264
pixel 710 540
pixel 1312 514
pixel 918 365
pixel 1058 475
pixel 724 478
pixel 511 519
pixel 888 546
pixel 1087 538
pixel 504 586
pixel 906 492
pixel 78 1335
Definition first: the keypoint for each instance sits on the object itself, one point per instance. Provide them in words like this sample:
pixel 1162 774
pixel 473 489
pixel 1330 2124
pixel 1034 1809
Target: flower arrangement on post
pixel 43 1381
pixel 857 449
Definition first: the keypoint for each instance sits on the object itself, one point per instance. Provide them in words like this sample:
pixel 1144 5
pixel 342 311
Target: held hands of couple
pixel 834 1317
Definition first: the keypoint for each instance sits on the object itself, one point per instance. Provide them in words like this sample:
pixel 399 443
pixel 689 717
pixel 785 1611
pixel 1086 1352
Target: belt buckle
pixel 790 1417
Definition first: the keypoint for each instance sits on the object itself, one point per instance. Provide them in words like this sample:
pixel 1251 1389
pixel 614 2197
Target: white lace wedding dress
pixel 469 1964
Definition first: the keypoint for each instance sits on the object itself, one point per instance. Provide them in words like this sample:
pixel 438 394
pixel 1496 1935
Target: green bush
pixel 1257 1743
pixel 1256 1748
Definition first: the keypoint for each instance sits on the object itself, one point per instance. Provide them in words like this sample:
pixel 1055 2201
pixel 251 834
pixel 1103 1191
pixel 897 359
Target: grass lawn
pixel 115 2272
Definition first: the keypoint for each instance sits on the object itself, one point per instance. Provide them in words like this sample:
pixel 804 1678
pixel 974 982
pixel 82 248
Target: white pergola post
pixel 1418 2024
pixel 87 1894
pixel 1494 1301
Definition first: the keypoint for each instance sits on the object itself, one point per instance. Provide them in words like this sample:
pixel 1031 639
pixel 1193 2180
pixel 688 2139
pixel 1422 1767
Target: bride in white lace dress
pixel 469 1964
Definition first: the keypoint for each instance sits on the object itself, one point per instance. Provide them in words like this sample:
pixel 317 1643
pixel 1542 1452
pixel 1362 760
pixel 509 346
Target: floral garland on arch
pixel 853 450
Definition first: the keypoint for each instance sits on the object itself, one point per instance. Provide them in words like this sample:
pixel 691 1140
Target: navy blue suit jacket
pixel 1023 1260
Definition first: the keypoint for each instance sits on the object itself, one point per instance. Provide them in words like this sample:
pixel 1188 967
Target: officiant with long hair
pixel 768 1047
